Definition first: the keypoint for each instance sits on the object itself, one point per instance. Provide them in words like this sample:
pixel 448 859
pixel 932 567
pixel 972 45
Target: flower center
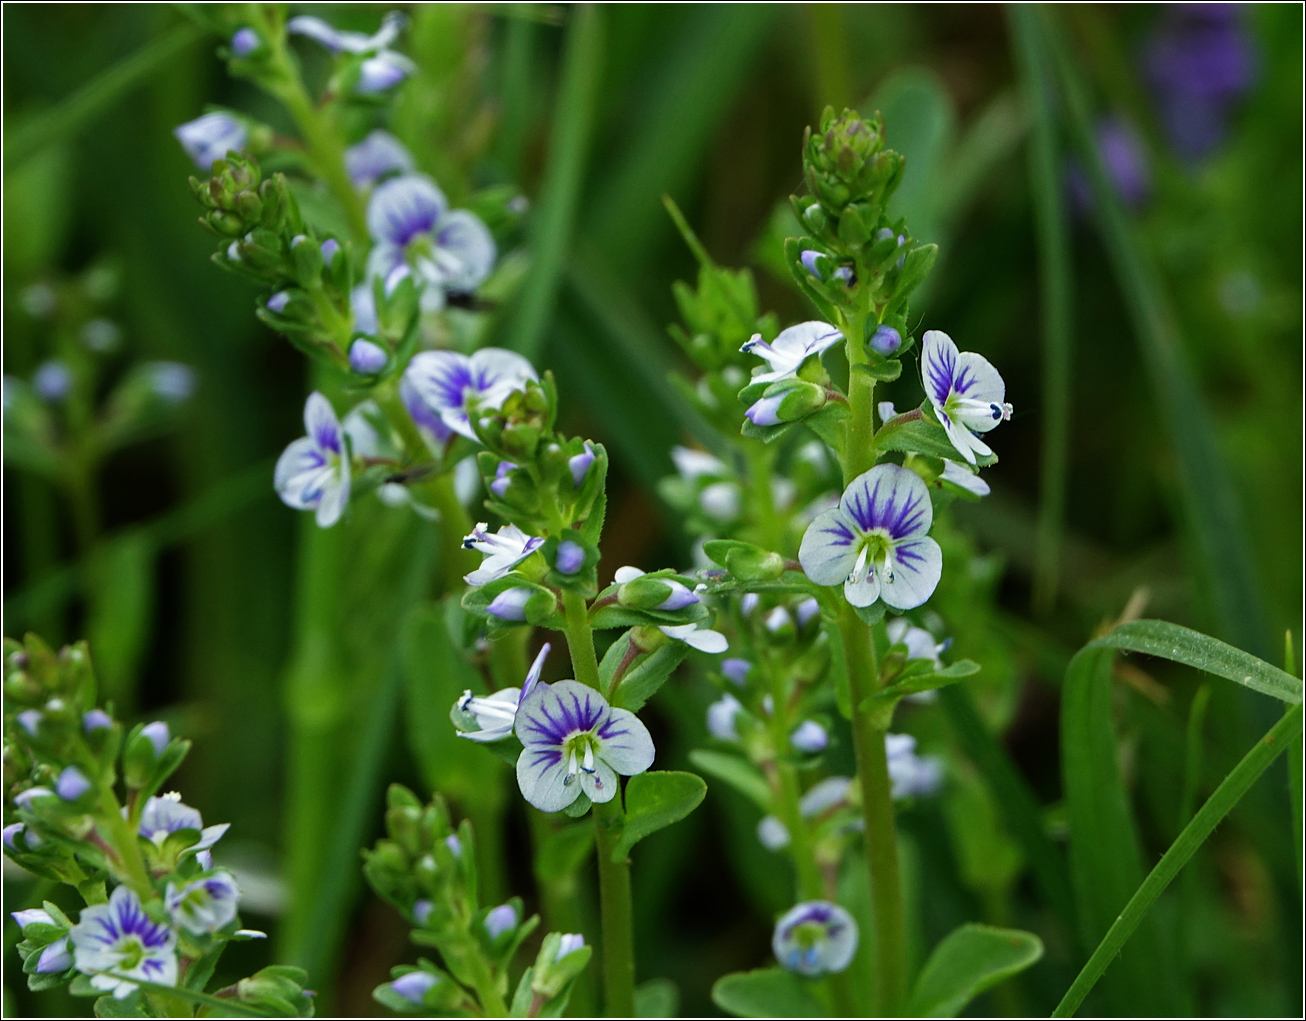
pixel 876 554
pixel 578 749
pixel 130 953
pixel 808 939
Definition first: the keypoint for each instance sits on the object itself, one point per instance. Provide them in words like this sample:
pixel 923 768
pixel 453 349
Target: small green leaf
pixel 968 961
pixel 913 433
pixel 734 771
pixel 658 997
pixel 656 800
pixel 646 675
pixel 109 1006
pixel 941 678
pixel 767 992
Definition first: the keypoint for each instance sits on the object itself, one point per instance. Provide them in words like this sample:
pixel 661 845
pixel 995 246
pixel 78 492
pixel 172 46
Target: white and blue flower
pixel 211 137
pixel 496 713
pixel 204 905
pixel 378 155
pixel 721 717
pixel 704 639
pixel 165 814
pixel 966 392
pixel 574 743
pixel 120 938
pixel 453 385
pixel 875 542
pixel 786 354
pixel 815 938
pixel 382 67
pixel 503 550
pixel 447 251
pixel 911 775
pixel 313 472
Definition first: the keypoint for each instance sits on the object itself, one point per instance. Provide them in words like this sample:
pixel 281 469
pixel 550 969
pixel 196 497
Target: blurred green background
pixel 190 581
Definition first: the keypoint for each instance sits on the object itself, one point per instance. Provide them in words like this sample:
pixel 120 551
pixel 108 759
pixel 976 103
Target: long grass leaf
pixel 563 176
pixel 1055 293
pixel 73 113
pixel 1210 504
pixel 1230 791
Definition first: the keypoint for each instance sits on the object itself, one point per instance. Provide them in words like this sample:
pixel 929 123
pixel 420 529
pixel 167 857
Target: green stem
pixel 124 840
pixel 785 788
pixel 1230 791
pixel 487 991
pixel 859 456
pixel 609 817
pixel 877 811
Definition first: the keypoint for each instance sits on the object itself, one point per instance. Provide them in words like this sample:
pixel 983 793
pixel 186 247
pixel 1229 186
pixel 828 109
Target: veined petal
pixel 441 379
pixel 496 373
pixel 533 674
pixel 321 424
pixel 862 591
pixel 889 498
pixel 938 366
pixel 624 743
pixel 300 470
pixel 403 207
pixel 917 567
pixel 791 348
pixel 377 155
pixel 829 548
pixel 601 785
pixel 553 712
pixel 978 380
pixel 469 249
pixel 542 778
pixel 335 496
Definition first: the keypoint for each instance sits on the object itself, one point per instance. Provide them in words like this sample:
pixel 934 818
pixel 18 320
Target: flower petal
pixel 403 207
pixel 441 379
pixel 335 496
pixel 978 380
pixel 917 567
pixel 625 743
pixel 300 471
pixel 553 712
pixel 938 366
pixel 497 373
pixel 864 591
pixel 542 778
pixel 377 155
pixel 829 548
pixel 601 785
pixel 891 498
pixel 467 250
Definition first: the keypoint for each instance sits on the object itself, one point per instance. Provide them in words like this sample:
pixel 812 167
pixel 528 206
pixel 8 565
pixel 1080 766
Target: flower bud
pixel 794 399
pixel 809 737
pixel 366 358
pixel 885 341
pixel 736 670
pixel 500 920
pixel 245 42
pixel 570 557
pixel 510 604
pixel 72 784
pixel 142 753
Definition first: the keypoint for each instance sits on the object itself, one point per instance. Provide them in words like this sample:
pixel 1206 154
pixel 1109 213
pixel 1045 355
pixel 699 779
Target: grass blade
pixel 74 112
pixel 1210 503
pixel 1254 763
pixel 1055 291
pixel 560 193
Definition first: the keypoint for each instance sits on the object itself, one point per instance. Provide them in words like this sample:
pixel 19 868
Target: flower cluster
pixel 427 870
pixel 156 904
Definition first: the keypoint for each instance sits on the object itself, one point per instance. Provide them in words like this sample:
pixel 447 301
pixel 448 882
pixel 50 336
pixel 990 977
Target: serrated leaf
pixel 767 992
pixel 735 772
pixel 968 961
pixel 654 801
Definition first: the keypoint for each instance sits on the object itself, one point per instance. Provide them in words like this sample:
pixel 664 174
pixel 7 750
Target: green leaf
pixel 968 961
pixel 736 772
pixel 1202 652
pixel 912 433
pixel 941 678
pixel 658 997
pixel 654 801
pixel 767 992
pixel 110 1006
pixel 648 673
pixel 564 851
pixel 122 606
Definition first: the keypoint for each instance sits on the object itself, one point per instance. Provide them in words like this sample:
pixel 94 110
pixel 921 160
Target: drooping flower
pixel 338 41
pixel 455 385
pixel 815 938
pixel 911 775
pixel 166 814
pixel 786 354
pixel 120 937
pixel 447 251
pixel 211 137
pixel 875 543
pixel 313 472
pixel 721 718
pixel 495 713
pixel 574 743
pixel 701 638
pixel 503 550
pixel 205 905
pixel 966 392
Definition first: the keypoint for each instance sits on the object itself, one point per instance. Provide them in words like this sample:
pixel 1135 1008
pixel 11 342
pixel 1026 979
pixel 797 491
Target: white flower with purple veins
pixel 119 937
pixel 815 938
pixel 575 743
pixel 211 137
pixel 503 550
pixel 496 713
pixel 383 68
pixel 875 543
pixel 447 251
pixel 376 156
pixel 966 392
pixel 205 905
pixel 313 472
pixel 453 386
pixel 164 815
pixel 911 775
pixel 786 354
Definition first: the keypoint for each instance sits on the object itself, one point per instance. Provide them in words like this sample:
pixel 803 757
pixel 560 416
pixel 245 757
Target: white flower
pixel 700 638
pixel 211 137
pixel 205 905
pixel 721 718
pixel 375 157
pixel 120 937
pixel 966 392
pixel 166 814
pixel 692 464
pixel 791 348
pixel 911 775
pixel 574 742
pixel 495 714
pixel 313 472
pixel 815 938
pixel 503 550
pixel 453 386
pixel 875 543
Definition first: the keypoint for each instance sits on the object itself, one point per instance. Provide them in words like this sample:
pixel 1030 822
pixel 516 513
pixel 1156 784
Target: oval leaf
pixel 767 992
pixel 655 800
pixel 968 961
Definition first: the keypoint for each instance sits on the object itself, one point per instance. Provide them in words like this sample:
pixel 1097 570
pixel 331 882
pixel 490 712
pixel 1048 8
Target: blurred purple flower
pixel 1126 164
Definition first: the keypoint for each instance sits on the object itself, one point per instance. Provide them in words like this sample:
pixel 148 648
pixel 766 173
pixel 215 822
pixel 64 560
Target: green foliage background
pixel 196 595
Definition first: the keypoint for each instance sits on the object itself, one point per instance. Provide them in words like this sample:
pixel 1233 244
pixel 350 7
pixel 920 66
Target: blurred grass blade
pixel 121 612
pixel 1202 652
pixel 1253 764
pixel 1295 770
pixel 573 122
pixel 833 79
pixel 1193 752
pixel 1019 807
pixel 516 91
pixel 73 113
pixel 1222 553
pixel 684 107
pixel 1036 77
